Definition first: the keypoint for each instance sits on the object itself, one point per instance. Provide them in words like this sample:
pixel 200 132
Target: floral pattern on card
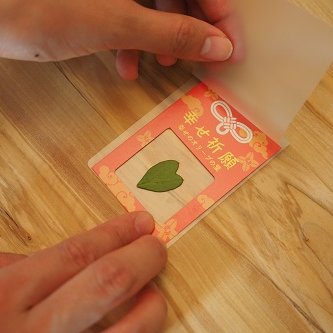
pixel 125 197
pixel 212 94
pixel 166 231
pixel 205 201
pixel 259 143
pixel 247 161
pixel 145 138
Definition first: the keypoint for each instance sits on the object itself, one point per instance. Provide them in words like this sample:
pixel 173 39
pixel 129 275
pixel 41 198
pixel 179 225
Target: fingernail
pixel 216 49
pixel 144 223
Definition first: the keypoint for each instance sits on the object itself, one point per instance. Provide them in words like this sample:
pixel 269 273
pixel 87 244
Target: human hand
pixel 72 285
pixel 46 30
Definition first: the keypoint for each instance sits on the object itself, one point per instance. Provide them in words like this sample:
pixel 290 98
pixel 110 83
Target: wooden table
pixel 262 261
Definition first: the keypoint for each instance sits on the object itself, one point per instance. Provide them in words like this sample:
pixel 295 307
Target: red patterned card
pixel 215 145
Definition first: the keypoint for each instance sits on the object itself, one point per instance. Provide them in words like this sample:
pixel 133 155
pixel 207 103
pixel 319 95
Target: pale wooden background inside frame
pixel 166 146
pixel 260 262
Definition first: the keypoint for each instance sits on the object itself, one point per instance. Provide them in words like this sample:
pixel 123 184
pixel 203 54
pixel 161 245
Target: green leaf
pixel 162 177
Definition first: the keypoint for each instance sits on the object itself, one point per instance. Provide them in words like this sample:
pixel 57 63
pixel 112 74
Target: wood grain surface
pixel 260 262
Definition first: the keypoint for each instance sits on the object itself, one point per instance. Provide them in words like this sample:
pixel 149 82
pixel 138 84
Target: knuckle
pixel 113 278
pixel 74 252
pixel 184 35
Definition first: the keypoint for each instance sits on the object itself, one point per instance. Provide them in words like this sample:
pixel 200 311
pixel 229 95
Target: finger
pixel 7 259
pixel 170 6
pixel 101 287
pixel 165 60
pixel 223 15
pixel 127 62
pixel 45 271
pixel 147 315
pixel 171 34
pixel 194 10
pixel 216 10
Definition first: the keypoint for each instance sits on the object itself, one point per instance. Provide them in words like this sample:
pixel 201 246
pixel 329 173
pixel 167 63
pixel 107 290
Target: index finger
pixel 216 10
pixel 223 15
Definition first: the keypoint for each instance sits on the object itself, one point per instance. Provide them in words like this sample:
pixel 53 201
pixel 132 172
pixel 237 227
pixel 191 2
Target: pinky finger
pixel 147 315
pixel 127 63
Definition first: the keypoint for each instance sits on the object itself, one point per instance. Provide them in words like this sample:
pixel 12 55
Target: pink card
pixel 216 148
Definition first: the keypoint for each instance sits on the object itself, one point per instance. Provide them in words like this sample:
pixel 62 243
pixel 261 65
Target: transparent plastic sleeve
pixel 287 51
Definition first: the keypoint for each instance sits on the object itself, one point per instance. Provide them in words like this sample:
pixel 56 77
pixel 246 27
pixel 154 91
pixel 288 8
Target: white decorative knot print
pixel 228 123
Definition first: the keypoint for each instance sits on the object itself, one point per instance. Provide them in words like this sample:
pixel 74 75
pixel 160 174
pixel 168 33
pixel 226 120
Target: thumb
pixel 175 35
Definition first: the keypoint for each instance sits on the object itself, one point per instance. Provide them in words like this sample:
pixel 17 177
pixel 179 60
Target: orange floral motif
pixel 145 138
pixel 111 180
pixel 108 178
pixel 126 198
pixel 205 201
pixel 248 161
pixel 166 231
pixel 212 94
pixel 193 104
pixel 259 143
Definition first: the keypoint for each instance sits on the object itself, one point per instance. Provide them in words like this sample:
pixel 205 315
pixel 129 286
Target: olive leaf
pixel 162 177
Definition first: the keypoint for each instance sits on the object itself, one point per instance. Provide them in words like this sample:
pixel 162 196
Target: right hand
pixel 48 30
pixel 69 287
